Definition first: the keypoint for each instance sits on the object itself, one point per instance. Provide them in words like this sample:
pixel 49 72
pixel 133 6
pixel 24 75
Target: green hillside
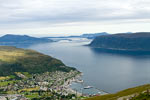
pixel 20 60
pixel 135 93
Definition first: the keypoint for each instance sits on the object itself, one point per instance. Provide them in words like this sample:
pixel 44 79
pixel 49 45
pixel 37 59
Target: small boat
pixel 88 87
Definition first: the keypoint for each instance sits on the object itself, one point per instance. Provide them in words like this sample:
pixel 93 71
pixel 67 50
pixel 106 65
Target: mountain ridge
pixel 9 38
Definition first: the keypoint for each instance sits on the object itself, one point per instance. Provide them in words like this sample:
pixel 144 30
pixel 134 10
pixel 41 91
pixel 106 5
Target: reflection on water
pixel 106 71
pixel 138 54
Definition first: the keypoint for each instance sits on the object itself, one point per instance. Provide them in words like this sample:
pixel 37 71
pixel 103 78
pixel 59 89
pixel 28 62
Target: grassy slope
pixel 143 96
pixel 20 60
pixel 126 92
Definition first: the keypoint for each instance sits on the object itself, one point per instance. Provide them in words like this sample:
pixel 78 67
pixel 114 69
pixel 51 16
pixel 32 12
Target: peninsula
pixel 123 42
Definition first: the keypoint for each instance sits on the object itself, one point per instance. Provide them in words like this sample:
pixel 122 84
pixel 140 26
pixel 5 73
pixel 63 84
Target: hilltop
pixel 22 60
pixel 124 42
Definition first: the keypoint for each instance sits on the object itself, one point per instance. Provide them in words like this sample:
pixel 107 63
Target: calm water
pixel 105 71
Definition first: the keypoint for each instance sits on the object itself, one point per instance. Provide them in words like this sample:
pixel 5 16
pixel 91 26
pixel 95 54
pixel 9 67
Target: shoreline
pixel 117 49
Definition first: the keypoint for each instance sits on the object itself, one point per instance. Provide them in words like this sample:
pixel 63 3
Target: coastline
pixel 81 90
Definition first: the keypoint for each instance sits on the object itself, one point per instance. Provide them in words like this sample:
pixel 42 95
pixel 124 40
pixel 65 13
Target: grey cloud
pixel 68 11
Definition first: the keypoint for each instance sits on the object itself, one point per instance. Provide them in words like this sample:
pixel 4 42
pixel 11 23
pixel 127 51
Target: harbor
pixel 79 86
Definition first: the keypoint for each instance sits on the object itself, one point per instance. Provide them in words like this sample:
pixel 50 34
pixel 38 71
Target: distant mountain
pixel 93 35
pixel 131 42
pixel 21 39
pixel 126 33
pixel 22 60
pixel 89 36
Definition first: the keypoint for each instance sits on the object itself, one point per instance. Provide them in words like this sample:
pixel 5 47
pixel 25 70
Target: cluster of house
pixel 53 81
pixel 12 97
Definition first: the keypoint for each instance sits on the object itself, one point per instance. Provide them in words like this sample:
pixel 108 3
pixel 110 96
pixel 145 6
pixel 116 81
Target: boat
pixel 88 87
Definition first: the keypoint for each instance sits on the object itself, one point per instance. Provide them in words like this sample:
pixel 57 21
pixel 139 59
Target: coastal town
pixel 48 85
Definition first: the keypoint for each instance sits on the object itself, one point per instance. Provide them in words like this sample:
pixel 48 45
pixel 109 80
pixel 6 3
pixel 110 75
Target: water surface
pixel 105 71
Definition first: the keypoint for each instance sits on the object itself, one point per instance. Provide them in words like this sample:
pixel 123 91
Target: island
pixel 123 42
pixel 29 75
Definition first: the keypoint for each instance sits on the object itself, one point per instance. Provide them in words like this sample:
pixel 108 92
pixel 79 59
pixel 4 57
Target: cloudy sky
pixel 69 17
